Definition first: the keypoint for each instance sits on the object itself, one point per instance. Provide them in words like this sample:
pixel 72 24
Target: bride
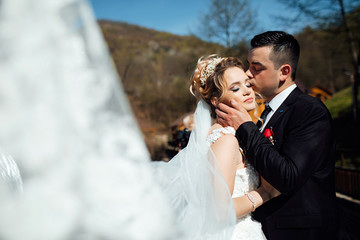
pixel 209 184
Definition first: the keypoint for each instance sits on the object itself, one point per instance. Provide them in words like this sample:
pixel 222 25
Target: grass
pixel 341 102
pixel 349 163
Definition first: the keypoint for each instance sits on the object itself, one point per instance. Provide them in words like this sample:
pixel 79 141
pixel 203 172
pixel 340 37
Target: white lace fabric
pixel 217 133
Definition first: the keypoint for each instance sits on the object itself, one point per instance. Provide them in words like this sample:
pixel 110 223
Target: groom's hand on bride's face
pixel 233 115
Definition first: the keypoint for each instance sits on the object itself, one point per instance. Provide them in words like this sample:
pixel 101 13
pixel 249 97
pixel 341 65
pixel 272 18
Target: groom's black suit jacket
pixel 300 165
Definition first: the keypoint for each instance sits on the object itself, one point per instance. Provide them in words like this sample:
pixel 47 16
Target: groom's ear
pixel 285 72
pixel 214 101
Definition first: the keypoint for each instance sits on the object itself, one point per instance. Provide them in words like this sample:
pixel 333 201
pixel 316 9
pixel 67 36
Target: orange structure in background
pixel 261 107
pixel 320 93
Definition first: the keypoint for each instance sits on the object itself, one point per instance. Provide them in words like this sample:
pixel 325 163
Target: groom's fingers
pixel 224 108
pixel 227 110
pixel 221 110
pixel 224 115
pixel 221 115
pixel 232 115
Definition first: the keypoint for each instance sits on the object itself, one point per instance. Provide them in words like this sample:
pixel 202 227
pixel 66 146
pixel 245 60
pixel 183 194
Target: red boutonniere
pixel 269 134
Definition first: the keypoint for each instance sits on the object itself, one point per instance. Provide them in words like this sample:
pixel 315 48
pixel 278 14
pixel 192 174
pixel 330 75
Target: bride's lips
pixel 249 100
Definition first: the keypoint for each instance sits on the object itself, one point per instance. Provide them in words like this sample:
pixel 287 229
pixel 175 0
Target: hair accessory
pixel 209 70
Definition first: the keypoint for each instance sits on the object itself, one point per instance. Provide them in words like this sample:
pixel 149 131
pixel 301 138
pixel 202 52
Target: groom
pixel 298 160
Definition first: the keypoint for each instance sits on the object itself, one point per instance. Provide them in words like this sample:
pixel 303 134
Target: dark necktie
pixel 264 114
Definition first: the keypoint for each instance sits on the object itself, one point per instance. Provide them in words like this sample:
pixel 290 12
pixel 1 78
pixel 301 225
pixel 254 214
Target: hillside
pixel 155 69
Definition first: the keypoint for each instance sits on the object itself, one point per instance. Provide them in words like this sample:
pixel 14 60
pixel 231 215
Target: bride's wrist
pixel 255 198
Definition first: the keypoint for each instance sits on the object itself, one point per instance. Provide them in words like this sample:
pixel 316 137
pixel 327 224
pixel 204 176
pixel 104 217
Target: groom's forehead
pixel 259 56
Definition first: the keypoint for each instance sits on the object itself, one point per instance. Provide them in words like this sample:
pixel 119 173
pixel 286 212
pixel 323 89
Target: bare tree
pixel 227 21
pixel 323 13
pixel 327 13
pixel 316 13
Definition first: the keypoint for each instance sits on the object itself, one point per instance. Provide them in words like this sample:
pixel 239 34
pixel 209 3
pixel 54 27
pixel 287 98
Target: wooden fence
pixel 347 182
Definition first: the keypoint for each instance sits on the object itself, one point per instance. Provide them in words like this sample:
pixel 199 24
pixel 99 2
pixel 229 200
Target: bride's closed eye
pixel 248 84
pixel 235 89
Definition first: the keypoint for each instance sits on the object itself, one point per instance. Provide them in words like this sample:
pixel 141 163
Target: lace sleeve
pixel 217 133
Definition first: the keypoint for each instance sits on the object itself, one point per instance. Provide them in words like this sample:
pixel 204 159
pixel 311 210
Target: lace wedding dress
pixel 246 180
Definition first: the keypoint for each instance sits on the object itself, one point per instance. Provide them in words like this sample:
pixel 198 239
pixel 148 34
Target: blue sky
pixel 182 16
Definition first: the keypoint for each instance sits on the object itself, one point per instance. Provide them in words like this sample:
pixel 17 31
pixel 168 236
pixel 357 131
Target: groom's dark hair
pixel 285 48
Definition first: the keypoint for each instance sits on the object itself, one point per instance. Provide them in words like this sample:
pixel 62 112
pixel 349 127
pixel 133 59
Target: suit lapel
pixel 284 107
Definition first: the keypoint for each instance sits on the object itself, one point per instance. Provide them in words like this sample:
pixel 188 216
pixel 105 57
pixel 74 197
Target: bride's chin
pixel 249 109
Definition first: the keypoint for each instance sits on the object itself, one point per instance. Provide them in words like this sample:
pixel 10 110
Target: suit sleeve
pixel 305 143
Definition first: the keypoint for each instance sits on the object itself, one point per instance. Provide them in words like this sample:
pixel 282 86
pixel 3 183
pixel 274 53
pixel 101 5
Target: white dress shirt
pixel 277 101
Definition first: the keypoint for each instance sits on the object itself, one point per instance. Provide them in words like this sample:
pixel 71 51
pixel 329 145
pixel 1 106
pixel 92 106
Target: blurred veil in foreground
pixel 65 120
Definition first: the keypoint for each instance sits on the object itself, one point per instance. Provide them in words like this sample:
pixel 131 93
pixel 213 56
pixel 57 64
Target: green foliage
pixel 340 103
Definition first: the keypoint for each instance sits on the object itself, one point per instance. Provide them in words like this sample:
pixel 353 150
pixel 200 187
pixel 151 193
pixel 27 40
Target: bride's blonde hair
pixel 207 80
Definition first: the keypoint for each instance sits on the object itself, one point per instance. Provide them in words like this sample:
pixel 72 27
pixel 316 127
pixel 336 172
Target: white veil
pixel 195 187
pixel 65 120
pixel 10 177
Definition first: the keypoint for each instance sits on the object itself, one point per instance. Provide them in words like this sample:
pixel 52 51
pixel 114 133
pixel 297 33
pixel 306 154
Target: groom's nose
pixel 249 74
